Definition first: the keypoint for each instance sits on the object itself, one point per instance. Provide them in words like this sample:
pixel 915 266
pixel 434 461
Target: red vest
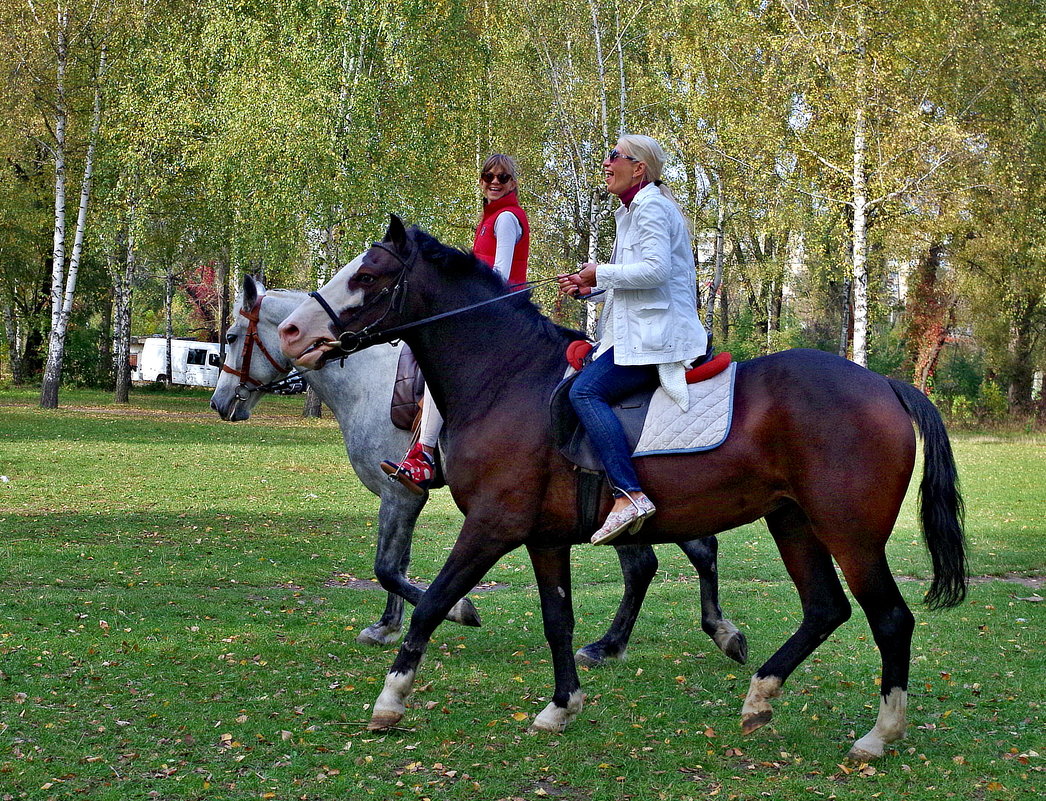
pixel 486 244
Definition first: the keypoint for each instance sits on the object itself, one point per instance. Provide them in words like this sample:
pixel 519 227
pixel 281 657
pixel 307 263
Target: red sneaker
pixel 415 472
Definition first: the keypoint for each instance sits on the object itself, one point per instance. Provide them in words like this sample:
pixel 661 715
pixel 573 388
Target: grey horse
pixel 359 393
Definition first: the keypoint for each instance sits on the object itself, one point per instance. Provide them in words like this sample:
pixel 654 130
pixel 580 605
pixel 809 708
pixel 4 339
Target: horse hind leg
pixel 396 520
pixel 638 567
pixel 824 605
pixel 892 625
pixel 703 554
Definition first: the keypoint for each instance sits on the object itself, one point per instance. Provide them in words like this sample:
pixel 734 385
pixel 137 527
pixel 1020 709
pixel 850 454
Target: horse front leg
pixel 474 553
pixel 397 517
pixel 638 568
pixel 552 569
pixel 703 554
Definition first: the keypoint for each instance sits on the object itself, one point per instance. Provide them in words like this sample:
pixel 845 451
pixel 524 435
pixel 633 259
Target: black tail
pixel 941 506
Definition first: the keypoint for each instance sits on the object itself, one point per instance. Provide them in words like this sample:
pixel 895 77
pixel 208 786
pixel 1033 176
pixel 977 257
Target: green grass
pixel 169 629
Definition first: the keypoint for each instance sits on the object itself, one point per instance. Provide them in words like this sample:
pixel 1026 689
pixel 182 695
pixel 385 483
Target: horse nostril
pixel 288 331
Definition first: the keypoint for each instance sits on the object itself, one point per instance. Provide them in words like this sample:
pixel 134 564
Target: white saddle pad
pixel 668 429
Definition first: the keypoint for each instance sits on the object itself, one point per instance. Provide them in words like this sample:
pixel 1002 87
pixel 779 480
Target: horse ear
pixel 250 293
pixel 396 232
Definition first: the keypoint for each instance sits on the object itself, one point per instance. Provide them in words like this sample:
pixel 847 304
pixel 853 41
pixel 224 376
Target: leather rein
pixel 249 384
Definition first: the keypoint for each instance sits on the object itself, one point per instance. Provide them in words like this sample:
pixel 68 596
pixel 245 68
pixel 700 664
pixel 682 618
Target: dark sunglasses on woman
pixel 503 177
pixel 616 154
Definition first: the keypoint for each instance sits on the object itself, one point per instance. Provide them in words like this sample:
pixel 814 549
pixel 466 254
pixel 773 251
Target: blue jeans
pixel 598 386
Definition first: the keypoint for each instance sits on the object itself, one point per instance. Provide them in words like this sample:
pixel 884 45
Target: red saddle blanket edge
pixel 579 349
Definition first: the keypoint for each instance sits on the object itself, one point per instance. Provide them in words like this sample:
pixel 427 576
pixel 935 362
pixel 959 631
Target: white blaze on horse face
pixel 311 324
pixel 336 291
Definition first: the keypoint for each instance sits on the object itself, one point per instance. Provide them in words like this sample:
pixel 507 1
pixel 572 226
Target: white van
pixel 193 364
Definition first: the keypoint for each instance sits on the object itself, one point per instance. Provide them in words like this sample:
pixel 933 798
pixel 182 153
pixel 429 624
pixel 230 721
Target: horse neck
pixel 491 356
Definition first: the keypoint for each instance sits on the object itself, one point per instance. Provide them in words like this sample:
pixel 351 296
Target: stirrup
pixel 415 472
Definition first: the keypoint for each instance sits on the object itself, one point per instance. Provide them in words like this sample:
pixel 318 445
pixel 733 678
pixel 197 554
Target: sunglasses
pixel 616 154
pixel 503 177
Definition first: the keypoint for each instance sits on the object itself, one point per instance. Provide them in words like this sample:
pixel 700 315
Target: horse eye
pixel 230 338
pixel 365 278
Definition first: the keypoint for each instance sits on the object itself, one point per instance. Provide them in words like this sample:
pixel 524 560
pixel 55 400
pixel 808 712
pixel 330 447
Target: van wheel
pixel 161 379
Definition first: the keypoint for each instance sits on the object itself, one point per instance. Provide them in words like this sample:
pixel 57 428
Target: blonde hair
pixel 647 150
pixel 500 160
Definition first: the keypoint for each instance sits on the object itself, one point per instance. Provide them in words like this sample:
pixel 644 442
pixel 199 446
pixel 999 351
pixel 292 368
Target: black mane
pixel 464 265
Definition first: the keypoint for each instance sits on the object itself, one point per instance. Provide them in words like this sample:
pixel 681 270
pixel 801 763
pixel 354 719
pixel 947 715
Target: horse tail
pixel 942 511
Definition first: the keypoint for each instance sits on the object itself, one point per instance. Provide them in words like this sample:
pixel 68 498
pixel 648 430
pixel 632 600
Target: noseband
pixel 248 384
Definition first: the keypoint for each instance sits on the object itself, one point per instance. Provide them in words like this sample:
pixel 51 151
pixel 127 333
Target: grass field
pixel 174 625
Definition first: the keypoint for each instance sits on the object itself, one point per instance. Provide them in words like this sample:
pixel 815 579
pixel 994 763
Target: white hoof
pixel 756 710
pixel 890 725
pixel 555 718
pixel 391 704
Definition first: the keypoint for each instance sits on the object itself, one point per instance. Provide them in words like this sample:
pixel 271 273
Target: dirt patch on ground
pixel 1031 582
pixel 353 583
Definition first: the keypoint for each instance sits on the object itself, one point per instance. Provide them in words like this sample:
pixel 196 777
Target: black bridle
pixel 352 341
pixel 248 383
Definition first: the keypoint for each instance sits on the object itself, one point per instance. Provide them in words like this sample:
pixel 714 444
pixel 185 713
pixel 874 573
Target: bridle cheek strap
pixel 250 340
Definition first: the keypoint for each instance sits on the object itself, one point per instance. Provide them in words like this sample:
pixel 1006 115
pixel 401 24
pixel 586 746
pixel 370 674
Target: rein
pixel 350 342
pixel 248 384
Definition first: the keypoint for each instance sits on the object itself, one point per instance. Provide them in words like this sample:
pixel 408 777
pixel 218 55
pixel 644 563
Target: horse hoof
pixel 858 755
pixel 586 659
pixel 383 720
pixel 592 656
pixel 729 639
pixel 752 722
pixel 736 648
pixel 378 635
pixel 464 612
pixel 555 718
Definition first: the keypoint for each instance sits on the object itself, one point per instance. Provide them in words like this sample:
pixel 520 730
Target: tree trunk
pixel 1021 369
pixel 124 279
pixel 56 346
pixel 720 251
pixel 860 202
pixel 15 347
pixel 169 328
pixel 105 375
pixel 313 405
pixel 844 327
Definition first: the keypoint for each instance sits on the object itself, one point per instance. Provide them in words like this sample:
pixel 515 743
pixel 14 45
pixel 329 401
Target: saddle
pixel 652 422
pixel 407 392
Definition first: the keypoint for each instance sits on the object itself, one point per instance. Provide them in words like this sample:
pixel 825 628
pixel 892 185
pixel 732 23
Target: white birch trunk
pixel 61 114
pixel 124 280
pixel 860 207
pixel 56 345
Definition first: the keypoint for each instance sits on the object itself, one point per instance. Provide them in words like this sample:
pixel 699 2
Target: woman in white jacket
pixel 649 330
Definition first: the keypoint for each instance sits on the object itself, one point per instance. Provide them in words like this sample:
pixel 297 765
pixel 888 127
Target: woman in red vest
pixel 503 242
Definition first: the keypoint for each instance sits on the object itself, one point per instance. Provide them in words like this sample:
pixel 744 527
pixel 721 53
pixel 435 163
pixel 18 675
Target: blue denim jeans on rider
pixel 598 386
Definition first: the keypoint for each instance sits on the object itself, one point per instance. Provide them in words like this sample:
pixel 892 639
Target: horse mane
pixel 464 265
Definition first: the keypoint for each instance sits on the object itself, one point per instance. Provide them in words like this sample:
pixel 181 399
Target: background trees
pixel 861 177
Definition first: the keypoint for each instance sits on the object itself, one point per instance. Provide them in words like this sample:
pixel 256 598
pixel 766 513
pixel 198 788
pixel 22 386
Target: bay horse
pixel 358 392
pixel 820 448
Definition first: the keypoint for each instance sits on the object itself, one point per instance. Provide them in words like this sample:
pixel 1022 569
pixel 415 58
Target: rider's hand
pixel 578 284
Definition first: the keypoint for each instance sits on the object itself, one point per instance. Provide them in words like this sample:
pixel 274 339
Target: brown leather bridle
pixel 249 384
